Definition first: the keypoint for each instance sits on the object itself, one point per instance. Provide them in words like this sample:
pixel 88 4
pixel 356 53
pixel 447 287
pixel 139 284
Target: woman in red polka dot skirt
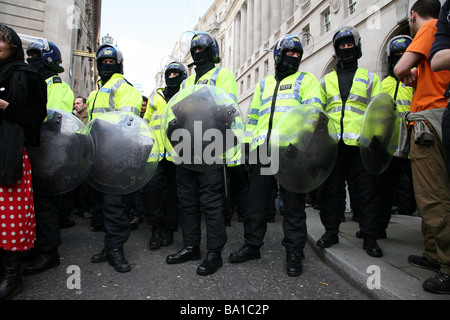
pixel 23 98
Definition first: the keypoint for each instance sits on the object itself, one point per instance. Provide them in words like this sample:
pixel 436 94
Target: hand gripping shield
pixel 65 155
pixel 125 156
pixel 203 128
pixel 304 143
pixel 379 134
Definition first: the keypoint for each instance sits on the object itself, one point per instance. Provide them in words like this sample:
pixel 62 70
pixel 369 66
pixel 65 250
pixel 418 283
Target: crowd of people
pixel 179 197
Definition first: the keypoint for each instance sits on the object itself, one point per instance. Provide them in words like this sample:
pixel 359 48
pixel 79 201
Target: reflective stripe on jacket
pixel 115 95
pixel 154 114
pixel 404 94
pixel 298 88
pixel 59 94
pixel 347 119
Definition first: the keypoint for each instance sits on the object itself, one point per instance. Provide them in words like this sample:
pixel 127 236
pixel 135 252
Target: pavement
pixel 390 277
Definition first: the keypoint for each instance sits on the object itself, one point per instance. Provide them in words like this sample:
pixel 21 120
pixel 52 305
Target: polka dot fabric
pixel 17 221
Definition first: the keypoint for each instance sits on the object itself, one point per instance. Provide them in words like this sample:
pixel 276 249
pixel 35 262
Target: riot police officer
pixel 52 212
pixel 160 193
pixel 395 184
pixel 273 96
pixel 115 93
pixel 348 91
pixel 201 192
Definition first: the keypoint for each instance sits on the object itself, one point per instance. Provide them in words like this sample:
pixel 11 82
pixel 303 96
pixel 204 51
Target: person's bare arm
pixel 441 60
pixel 404 68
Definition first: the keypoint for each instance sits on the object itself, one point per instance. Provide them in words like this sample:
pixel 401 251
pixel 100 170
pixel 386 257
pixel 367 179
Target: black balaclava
pixel 172 84
pixel 106 70
pixel 38 63
pixel 393 59
pixel 348 57
pixel 203 63
pixel 288 65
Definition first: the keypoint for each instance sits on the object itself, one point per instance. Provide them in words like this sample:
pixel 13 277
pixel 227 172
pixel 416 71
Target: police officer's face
pixel 294 54
pixel 173 75
pixel 109 61
pixel 199 49
pixel 346 45
pixel 5 48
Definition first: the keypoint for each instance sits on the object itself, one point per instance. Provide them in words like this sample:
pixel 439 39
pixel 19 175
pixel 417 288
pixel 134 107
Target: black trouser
pixel 202 192
pixel 116 221
pixel 237 192
pixel 349 166
pixel 294 218
pixel 47 214
pixel 160 197
pixel 397 177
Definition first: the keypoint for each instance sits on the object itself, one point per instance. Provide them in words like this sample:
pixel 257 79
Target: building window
pixel 326 23
pixel 266 67
pixel 256 75
pixel 306 39
pixel 351 6
pixel 249 81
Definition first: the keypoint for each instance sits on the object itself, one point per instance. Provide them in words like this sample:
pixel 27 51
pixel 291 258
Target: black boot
pixel 294 266
pixel 211 264
pixel 156 238
pixel 185 254
pixel 43 262
pixel 11 274
pixel 372 248
pixel 327 240
pixel 116 258
pixel 167 239
pixel 244 254
pixel 101 257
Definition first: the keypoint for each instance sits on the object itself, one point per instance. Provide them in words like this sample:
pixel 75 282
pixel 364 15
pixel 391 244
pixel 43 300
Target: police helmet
pixel 398 43
pixel 176 67
pixel 206 41
pixel 108 51
pixel 290 42
pixel 344 33
pixel 49 52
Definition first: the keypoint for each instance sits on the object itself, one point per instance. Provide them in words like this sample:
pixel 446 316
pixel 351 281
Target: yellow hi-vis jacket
pixel 224 79
pixel 298 88
pixel 348 119
pixel 115 95
pixel 154 113
pixel 60 95
pixel 404 94
pixel 402 101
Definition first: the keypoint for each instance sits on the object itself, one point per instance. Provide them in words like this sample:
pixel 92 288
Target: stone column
pixel 276 15
pixel 250 27
pixel 258 24
pixel 265 20
pixel 237 40
pixel 243 33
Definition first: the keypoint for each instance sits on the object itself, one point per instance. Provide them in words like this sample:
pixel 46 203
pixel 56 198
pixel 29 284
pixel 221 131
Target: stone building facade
pixel 73 25
pixel 248 29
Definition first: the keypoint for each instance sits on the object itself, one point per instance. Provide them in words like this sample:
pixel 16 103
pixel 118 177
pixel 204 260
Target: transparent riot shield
pixel 303 148
pixel 125 156
pixel 379 134
pixel 203 128
pixel 65 155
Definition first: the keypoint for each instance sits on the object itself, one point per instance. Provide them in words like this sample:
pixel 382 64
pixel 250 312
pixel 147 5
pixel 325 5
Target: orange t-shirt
pixel 431 85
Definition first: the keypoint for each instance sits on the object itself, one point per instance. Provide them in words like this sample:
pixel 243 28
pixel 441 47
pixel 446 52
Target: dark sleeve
pixel 442 36
pixel 32 113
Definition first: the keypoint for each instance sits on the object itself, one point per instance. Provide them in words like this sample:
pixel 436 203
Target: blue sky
pixel 147 31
